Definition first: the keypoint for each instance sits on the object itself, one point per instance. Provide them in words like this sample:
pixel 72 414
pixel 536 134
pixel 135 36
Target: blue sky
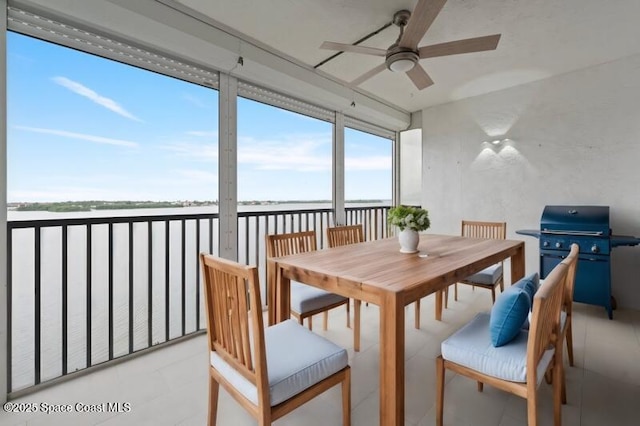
pixel 82 127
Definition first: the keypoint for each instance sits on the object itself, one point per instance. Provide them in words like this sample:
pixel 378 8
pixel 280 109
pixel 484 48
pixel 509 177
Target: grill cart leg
pixel 611 306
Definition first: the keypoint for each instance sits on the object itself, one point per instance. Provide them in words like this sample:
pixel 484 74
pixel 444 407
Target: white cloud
pixel 81 136
pixel 90 94
pixel 194 100
pixel 206 152
pixel 199 176
pixel 203 133
pixel 300 153
pixel 303 155
pixel 379 162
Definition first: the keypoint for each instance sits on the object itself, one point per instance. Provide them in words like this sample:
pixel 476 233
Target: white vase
pixel 409 240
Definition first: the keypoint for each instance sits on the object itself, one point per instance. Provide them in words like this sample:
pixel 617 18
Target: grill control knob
pixel 595 249
pixel 545 244
pixel 558 244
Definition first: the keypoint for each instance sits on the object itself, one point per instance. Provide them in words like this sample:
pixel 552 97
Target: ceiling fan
pixel 404 55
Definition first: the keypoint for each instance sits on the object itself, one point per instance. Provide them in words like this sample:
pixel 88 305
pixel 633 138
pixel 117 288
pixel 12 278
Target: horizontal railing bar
pixel 366 209
pixel 17 224
pixel 281 212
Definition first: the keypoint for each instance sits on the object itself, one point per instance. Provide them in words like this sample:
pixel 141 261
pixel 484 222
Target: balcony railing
pixel 85 291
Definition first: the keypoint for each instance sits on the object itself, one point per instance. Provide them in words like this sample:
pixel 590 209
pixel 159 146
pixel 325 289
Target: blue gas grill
pixel 587 226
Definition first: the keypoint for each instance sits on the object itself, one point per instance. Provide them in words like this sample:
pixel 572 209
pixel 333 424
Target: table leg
pixel 439 295
pixel 391 361
pixel 517 265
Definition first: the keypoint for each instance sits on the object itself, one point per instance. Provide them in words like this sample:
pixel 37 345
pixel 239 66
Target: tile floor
pixel 169 386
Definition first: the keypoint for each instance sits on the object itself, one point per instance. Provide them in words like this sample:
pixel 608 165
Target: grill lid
pixel 577 220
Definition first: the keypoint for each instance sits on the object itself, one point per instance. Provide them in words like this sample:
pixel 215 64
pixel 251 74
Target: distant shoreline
pixel 93 205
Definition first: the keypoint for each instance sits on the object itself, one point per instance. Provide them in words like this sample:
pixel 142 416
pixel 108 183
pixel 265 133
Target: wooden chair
pixel 521 363
pixel 343 235
pixel 272 371
pixel 306 300
pixel 571 261
pixel 340 236
pixel 492 276
pixel 567 303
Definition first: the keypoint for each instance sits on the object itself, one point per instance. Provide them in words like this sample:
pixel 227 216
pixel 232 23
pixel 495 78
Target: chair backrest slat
pixel 292 243
pixel 232 299
pixel 343 235
pixel 572 263
pixel 489 230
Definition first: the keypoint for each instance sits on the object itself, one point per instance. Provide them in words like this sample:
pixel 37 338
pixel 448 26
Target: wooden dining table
pixel 376 272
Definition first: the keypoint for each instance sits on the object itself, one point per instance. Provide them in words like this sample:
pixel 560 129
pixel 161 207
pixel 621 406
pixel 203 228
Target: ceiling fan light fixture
pixel 402 61
pixel 402 65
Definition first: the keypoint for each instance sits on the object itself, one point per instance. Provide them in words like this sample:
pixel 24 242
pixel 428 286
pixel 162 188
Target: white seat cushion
pixel 471 347
pixel 296 360
pixel 305 298
pixel 487 276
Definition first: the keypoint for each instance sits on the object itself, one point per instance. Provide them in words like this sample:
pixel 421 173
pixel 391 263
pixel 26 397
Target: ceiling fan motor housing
pixel 401 59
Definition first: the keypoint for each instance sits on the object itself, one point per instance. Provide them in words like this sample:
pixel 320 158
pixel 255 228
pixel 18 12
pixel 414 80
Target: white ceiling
pixel 540 38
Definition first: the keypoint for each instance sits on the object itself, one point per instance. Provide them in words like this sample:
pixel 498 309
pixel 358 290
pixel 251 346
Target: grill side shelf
pixel 529 232
pixel 624 240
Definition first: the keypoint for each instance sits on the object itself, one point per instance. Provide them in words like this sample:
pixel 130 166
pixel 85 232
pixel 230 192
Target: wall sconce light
pixel 497 142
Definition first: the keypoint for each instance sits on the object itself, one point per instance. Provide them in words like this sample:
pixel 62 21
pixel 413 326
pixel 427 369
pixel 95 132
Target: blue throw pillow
pixel 529 284
pixel 508 315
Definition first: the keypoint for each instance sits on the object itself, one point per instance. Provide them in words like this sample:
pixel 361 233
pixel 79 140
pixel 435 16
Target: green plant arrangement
pixel 408 217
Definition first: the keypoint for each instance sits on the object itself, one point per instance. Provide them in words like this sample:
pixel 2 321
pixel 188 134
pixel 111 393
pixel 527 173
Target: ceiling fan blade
pixel 421 19
pixel 329 45
pixel 419 76
pixel 477 44
pixel 367 75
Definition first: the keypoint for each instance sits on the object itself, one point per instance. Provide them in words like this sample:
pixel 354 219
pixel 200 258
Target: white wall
pixel 573 139
pixel 411 167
